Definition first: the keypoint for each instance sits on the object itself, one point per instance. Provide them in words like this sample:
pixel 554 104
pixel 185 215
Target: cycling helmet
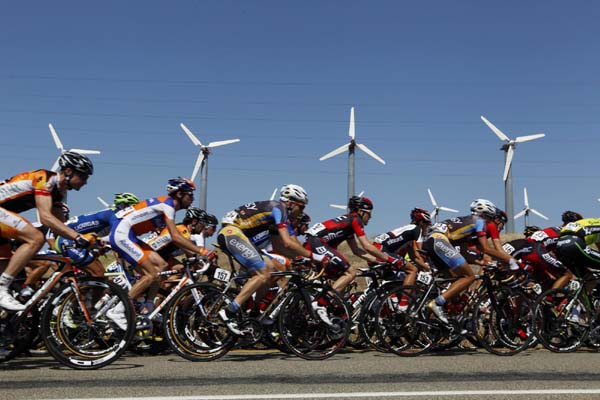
pixel 356 203
pixel 501 215
pixel 294 193
pixel 483 207
pixel 419 214
pixel 195 213
pixel 125 198
pixel 76 161
pixel 530 230
pixel 180 184
pixel 571 216
pixel 211 220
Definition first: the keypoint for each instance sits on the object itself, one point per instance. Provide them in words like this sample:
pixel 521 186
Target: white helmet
pixel 294 193
pixel 483 207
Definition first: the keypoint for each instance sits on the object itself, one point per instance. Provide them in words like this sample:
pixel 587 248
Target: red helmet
pixel 419 214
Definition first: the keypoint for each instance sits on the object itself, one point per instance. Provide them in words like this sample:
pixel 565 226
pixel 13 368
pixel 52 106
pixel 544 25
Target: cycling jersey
pixel 463 229
pixel 258 219
pixel 392 241
pixel 536 255
pixel 17 194
pixel 98 222
pixel 133 221
pixel 337 230
pixel 547 236
pixel 587 229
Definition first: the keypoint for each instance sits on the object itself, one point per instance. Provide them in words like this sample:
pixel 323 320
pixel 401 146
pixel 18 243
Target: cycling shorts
pixel 442 252
pixel 233 240
pixel 573 251
pixel 125 242
pixel 11 224
pixel 337 262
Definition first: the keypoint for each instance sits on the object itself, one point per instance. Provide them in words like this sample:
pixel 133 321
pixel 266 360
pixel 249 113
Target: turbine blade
pixel 84 151
pixel 539 214
pixel 361 193
pixel 274 193
pixel 370 152
pixel 56 138
pixel 525 198
pixel 197 165
pixel 520 214
pixel 101 200
pixel 351 131
pixel 434 212
pixel 222 142
pixel 509 157
pixel 335 152
pixel 448 209
pixel 338 206
pixel 431 197
pixel 193 138
pixel 527 138
pixel 55 165
pixel 497 131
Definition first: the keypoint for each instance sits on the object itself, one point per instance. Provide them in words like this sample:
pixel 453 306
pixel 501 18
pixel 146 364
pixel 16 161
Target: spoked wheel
pixel 192 325
pixel 505 328
pixel 76 327
pixel 401 329
pixel 308 335
pixel 561 325
pixel 367 322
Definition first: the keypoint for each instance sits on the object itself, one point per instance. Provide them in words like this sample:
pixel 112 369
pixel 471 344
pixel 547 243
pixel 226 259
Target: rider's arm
pixel 416 257
pixel 291 244
pixel 358 251
pixel 501 255
pixel 43 204
pixel 372 250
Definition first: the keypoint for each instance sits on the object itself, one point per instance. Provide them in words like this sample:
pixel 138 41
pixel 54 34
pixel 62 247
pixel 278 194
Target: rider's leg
pixel 150 268
pixel 465 278
pixel 259 280
pixel 344 280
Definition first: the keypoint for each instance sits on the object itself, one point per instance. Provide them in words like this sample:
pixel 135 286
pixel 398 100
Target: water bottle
pixel 573 285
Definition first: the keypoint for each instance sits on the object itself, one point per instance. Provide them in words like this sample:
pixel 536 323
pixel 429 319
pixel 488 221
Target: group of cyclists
pixel 263 236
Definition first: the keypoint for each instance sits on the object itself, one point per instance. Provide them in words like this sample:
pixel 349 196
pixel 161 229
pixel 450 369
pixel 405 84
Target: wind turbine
pixel 527 210
pixel 345 207
pixel 509 149
pixel 102 201
pixel 351 147
pixel 202 160
pixel 274 194
pixel 60 147
pixel 436 208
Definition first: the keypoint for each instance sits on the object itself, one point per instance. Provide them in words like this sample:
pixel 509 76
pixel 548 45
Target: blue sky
pixel 282 76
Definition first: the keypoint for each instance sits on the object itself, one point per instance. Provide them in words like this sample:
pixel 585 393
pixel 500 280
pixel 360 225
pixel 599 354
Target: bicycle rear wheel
pixel 306 334
pixel 192 326
pixel 556 325
pixel 75 326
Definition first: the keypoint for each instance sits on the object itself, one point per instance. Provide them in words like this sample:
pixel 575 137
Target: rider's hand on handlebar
pixel 83 242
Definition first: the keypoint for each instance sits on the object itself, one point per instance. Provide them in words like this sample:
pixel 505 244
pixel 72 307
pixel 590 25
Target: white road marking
pixel 364 394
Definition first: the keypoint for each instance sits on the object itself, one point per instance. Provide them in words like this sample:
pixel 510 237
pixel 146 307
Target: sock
pixel 6 280
pixel 440 301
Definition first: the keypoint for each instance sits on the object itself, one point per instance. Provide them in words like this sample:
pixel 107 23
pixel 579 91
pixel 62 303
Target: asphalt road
pixel 360 374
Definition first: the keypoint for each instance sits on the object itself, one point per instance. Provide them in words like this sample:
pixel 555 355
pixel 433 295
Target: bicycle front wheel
pixel 76 326
pixel 308 335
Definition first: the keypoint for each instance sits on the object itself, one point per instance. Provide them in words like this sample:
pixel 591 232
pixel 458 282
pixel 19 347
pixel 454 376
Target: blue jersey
pixel 97 222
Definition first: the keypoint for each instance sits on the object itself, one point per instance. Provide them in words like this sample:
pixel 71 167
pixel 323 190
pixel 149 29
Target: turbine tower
pixel 436 208
pixel 202 161
pixel 351 147
pixel 509 149
pixel 525 212
pixel 60 147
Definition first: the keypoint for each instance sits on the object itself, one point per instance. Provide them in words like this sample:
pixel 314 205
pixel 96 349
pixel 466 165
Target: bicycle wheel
pixel 17 333
pixel 401 330
pixel 305 333
pixel 505 327
pixel 75 326
pixel 561 323
pixel 367 322
pixel 192 326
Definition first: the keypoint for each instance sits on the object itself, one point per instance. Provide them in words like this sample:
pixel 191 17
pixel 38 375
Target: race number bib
pixel 315 229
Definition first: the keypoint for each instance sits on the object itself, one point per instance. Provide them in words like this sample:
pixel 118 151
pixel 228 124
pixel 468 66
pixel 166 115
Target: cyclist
pixel 549 236
pixel 324 238
pixel 468 230
pixel 94 224
pixel 144 217
pixel 204 228
pixel 242 231
pixel 37 189
pixel 573 246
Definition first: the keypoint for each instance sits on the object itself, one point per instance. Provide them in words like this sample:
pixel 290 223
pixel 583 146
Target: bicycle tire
pixel 192 326
pixel 304 333
pixel 74 342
